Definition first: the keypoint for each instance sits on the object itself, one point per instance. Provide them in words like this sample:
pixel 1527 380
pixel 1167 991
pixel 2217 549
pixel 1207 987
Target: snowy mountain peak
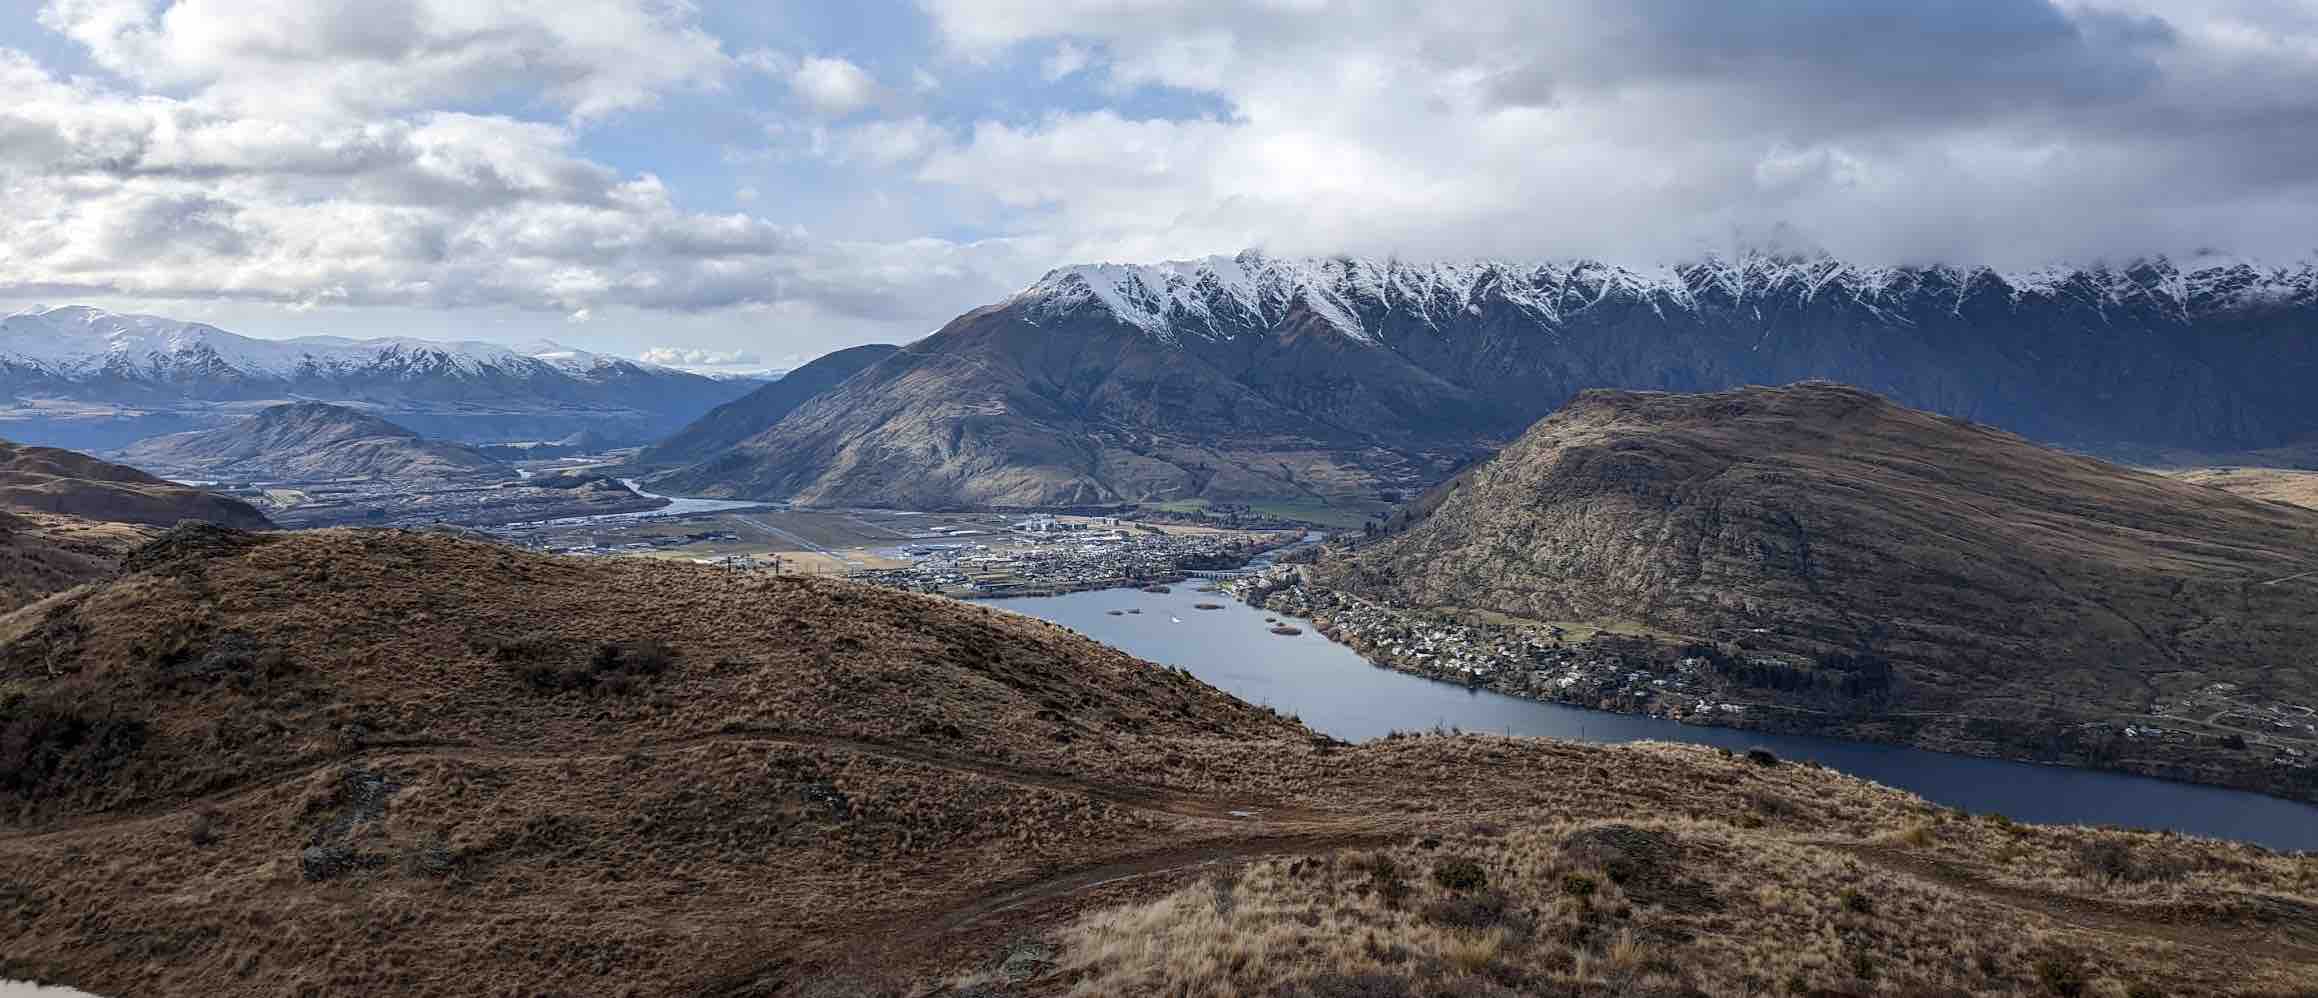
pixel 1219 297
pixel 77 344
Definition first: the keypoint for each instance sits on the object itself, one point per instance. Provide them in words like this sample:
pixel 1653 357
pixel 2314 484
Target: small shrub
pixel 1384 953
pixel 646 657
pixel 1459 873
pixel 2062 973
pixel 1857 903
pixel 1483 909
pixel 2113 861
pixel 1224 888
pixel 1578 885
pixel 1384 877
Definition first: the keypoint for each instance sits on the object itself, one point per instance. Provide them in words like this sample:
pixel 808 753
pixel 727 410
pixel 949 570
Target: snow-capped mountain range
pixel 1248 376
pixel 77 342
pixel 1224 296
pixel 59 362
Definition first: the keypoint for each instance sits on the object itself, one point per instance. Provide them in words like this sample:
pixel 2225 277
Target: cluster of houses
pixel 1051 557
pixel 1605 672
pixel 2291 729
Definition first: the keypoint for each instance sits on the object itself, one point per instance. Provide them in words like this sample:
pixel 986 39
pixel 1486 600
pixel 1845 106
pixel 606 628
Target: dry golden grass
pixel 1649 907
pixel 45 553
pixel 374 762
pixel 2285 485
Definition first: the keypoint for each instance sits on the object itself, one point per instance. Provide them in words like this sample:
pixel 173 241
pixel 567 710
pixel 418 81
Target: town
pixel 1626 673
pixel 1638 672
pixel 1050 554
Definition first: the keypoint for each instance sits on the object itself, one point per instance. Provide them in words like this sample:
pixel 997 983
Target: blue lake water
pixel 1335 691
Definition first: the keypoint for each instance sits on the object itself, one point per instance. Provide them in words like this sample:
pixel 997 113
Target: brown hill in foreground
pixel 312 441
pixel 1993 577
pixel 385 763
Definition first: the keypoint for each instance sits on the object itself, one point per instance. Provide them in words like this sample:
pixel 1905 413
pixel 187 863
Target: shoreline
pixel 1752 717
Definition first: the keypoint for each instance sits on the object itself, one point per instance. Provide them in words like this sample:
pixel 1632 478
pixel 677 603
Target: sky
pixel 732 186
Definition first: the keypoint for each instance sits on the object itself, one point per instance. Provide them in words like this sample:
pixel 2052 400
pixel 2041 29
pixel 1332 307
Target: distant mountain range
pixel 312 441
pixel 79 376
pixel 1248 377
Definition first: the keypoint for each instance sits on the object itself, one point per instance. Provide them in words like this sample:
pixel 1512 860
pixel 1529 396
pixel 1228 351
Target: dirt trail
pixel 1252 811
pixel 968 926
pixel 2097 914
pixel 1036 894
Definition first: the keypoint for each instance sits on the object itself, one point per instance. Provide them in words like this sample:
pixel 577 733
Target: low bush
pixel 2062 973
pixel 46 743
pixel 617 668
pixel 1459 873
pixel 2112 862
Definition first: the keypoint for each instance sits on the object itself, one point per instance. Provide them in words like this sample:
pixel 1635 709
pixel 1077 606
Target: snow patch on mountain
pixel 1223 296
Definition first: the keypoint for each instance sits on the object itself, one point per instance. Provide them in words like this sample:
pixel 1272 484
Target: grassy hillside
pixel 1857 562
pixel 379 762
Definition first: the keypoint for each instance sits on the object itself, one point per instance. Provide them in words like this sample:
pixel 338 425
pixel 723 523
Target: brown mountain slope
pixel 377 762
pixel 74 516
pixel 994 410
pixel 309 441
pixel 727 425
pixel 43 553
pixel 1995 577
pixel 49 480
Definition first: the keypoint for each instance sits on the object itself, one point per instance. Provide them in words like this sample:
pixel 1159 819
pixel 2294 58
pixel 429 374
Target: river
pixel 677 506
pixel 1335 691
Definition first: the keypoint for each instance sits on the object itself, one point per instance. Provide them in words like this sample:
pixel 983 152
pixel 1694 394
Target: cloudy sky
pixel 728 184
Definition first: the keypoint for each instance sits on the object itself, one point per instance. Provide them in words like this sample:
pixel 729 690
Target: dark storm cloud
pixel 1855 63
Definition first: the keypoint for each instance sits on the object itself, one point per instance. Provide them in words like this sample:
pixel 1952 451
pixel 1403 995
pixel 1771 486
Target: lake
pixel 1336 691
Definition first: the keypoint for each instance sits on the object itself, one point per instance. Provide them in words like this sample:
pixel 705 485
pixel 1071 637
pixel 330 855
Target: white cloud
pixel 2006 131
pixel 589 57
pixel 885 142
pixel 697 357
pixel 833 87
pixel 147 196
pixel 1066 59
